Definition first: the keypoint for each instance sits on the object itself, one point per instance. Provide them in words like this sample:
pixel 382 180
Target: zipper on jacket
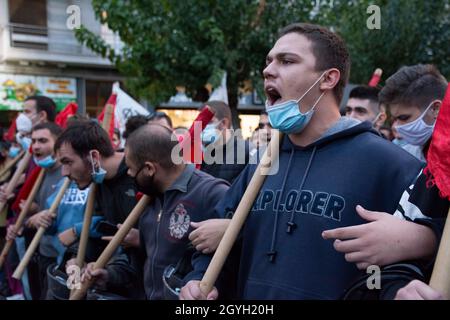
pixel 158 219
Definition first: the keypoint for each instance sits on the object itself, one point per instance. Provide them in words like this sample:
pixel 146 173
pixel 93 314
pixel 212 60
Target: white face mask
pixel 23 123
pixel 417 132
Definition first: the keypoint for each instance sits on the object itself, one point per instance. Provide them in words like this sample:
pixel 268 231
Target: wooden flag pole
pixel 11 163
pixel 440 278
pixel 12 184
pixel 23 214
pixel 37 237
pixel 269 158
pixel 112 246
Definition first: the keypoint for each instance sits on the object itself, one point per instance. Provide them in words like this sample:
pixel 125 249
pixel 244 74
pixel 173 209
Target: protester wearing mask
pixel 39 109
pixel 87 156
pixel 43 138
pixel 327 165
pixel 181 194
pixel 413 96
pixel 225 154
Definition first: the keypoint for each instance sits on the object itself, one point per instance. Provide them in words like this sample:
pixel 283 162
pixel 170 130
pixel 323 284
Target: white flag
pixel 126 107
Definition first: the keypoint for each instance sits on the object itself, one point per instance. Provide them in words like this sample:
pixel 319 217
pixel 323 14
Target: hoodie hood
pixel 343 128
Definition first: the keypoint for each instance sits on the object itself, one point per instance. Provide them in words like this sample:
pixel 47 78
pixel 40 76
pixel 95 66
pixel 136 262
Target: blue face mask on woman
pixel 287 117
pixel 13 152
pixel 210 133
pixel 98 175
pixel 45 163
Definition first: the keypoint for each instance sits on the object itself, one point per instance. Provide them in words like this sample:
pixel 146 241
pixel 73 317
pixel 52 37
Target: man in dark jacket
pixel 328 164
pixel 181 195
pixel 87 156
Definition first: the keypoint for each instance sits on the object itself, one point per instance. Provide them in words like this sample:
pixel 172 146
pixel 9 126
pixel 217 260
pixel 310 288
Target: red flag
pixel 11 133
pixel 65 114
pixel 112 100
pixel 438 158
pixel 26 188
pixel 376 77
pixel 193 136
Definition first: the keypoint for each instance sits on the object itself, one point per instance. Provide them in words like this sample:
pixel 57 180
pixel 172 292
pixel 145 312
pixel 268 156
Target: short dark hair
pixel 152 142
pixel 54 129
pixel 46 104
pixel 221 109
pixel 160 115
pixel 365 92
pixel 414 86
pixel 134 123
pixel 328 48
pixel 84 136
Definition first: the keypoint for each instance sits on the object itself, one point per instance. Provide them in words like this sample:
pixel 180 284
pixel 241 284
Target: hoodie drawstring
pixel 291 224
pixel 272 253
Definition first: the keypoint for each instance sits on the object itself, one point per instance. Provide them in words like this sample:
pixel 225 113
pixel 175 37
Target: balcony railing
pixel 54 40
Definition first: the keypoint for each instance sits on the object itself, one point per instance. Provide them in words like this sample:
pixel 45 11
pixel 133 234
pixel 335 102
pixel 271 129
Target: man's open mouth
pixel 273 96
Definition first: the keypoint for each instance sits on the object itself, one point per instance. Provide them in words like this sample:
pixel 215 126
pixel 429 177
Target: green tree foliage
pixel 192 42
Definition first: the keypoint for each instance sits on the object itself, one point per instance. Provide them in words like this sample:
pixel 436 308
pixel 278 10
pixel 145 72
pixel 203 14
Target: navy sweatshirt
pixel 282 254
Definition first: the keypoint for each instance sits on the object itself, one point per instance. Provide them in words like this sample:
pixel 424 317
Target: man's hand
pixel 42 219
pixel 417 290
pixel 11 233
pixel 207 234
pixel 384 240
pixel 3 196
pixel 33 208
pixel 67 237
pixel 191 291
pixel 100 276
pixel 130 240
pixel 73 262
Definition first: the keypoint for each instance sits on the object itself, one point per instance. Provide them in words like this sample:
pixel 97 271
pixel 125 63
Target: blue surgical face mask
pixel 45 163
pixel 25 142
pixel 416 132
pixel 13 152
pixel 97 175
pixel 210 133
pixel 287 117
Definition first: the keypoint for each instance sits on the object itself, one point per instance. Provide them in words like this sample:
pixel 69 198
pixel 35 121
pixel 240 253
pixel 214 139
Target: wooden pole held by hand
pixel 269 159
pixel 11 163
pixel 23 214
pixel 115 242
pixel 12 184
pixel 37 237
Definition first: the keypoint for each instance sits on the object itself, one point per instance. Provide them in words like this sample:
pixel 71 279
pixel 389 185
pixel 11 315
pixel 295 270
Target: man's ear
pixel 95 156
pixel 226 123
pixel 42 115
pixel 381 119
pixel 330 79
pixel 435 107
pixel 150 168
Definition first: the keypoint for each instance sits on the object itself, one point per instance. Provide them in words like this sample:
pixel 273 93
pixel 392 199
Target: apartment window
pixel 28 23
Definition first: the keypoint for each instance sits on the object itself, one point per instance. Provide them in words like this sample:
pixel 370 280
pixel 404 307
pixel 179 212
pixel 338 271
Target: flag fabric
pixel 438 157
pixel 65 114
pixel 376 77
pixel 111 101
pixel 10 135
pixel 125 107
pixel 220 93
pixel 191 142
